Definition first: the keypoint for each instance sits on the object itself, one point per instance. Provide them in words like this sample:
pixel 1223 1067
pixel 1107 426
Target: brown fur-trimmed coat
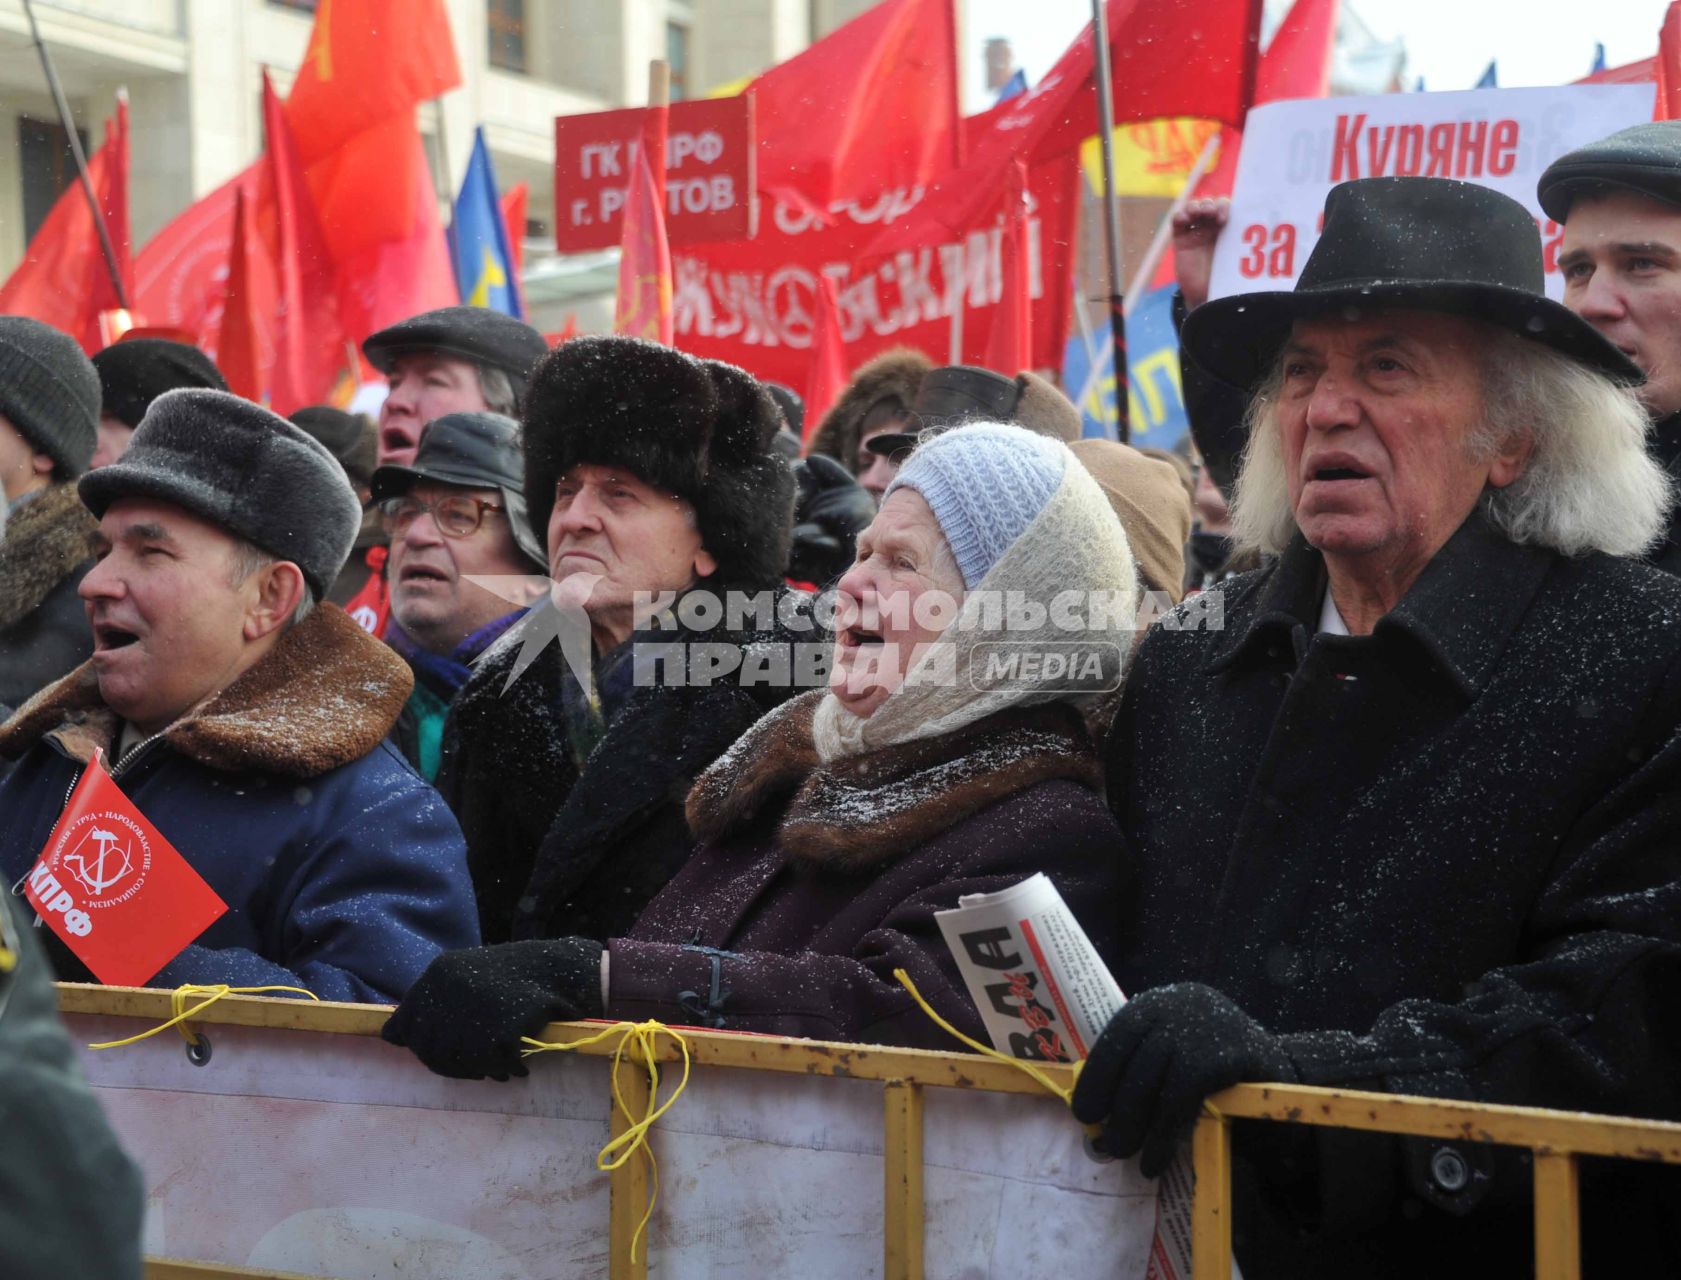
pixel 893 375
pixel 44 632
pixel 817 882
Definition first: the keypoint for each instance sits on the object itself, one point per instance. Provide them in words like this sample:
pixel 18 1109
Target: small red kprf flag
pixel 113 889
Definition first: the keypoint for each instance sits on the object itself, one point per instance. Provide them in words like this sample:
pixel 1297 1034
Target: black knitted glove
pixel 1159 1057
pixel 831 511
pixel 465 1016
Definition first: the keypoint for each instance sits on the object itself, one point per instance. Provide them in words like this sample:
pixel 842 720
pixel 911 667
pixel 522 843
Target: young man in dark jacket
pixel 246 724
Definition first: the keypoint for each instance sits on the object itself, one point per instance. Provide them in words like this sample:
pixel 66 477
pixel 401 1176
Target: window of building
pixel 306 6
pixel 505 20
pixel 47 168
pixel 677 56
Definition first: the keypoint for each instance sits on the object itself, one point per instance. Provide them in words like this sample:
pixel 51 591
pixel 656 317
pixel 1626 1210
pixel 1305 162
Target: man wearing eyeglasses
pixel 464 563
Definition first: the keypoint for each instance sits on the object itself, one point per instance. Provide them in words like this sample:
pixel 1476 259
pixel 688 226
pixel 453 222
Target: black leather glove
pixel 1159 1057
pixel 831 511
pixel 465 1016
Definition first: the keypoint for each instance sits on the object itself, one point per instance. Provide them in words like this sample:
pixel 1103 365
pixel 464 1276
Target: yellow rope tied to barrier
pixel 643 1037
pixel 178 1002
pixel 1045 1082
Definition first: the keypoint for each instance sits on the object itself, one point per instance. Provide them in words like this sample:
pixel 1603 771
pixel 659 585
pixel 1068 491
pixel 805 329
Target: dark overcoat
pixel 556 851
pixel 816 882
pixel 1456 841
pixel 1664 443
pixel 45 553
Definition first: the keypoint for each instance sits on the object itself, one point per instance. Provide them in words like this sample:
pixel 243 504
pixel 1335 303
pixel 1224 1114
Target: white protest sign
pixel 1295 152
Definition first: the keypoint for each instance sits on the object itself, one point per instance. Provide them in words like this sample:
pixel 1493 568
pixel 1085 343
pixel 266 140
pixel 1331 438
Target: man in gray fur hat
pixel 246 723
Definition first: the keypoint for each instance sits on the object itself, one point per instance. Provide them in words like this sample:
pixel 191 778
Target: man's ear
pixel 280 589
pixel 1510 462
pixel 705 564
pixel 42 464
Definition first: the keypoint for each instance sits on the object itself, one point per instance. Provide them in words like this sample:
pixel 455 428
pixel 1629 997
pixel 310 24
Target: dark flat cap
pixel 472 333
pixel 136 371
pixel 243 469
pixel 1645 159
pixel 349 437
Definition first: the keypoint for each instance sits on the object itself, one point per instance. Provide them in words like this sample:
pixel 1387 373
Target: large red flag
pixel 63 279
pixel 1297 64
pixel 643 308
pixel 305 341
pixel 870 107
pixel 1668 105
pixel 1170 58
pixel 828 359
pixel 248 297
pixel 1010 349
pixel 514 201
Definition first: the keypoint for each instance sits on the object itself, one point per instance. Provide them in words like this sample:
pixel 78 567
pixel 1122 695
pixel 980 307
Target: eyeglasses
pixel 457 515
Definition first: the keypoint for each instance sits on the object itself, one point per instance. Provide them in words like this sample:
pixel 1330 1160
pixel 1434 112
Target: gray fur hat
pixel 242 468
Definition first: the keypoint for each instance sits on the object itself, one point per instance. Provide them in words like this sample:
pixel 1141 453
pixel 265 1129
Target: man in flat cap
pixel 247 724
pixel 133 372
pixel 1620 202
pixel 452 360
pixel 464 564
pixel 1408 816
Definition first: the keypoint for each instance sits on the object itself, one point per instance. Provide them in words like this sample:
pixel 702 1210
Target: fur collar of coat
pixel 863 811
pixel 324 696
pixel 45 540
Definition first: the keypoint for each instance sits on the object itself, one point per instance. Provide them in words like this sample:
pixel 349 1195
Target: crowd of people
pixel 1360 761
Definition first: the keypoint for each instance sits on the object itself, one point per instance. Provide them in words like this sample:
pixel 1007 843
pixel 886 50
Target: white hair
pixel 1588 485
pixel 246 558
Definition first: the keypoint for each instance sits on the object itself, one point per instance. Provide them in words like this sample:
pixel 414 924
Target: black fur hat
pixel 701 429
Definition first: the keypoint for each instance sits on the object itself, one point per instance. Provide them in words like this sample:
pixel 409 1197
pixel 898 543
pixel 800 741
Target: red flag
pixel 181 273
pixel 113 889
pixel 828 358
pixel 514 201
pixel 1644 71
pixel 1010 349
pixel 875 104
pixel 1170 58
pixel 643 308
pixel 305 346
pixel 1668 105
pixel 367 61
pixel 63 279
pixel 1297 64
pixel 248 296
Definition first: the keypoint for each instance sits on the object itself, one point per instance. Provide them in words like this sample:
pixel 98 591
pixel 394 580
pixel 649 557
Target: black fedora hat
pixel 1419 244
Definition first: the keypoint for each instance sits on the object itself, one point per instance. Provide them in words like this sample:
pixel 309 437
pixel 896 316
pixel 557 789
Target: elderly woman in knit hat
pixel 992 598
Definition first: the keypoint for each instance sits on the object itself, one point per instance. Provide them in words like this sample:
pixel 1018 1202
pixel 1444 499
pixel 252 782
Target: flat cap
pixel 472 333
pixel 136 371
pixel 1645 158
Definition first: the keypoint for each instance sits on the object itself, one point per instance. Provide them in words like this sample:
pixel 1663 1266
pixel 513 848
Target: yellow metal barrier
pixel 1556 1138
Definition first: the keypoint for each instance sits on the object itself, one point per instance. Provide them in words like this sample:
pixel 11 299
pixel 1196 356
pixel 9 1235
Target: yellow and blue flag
pixel 478 240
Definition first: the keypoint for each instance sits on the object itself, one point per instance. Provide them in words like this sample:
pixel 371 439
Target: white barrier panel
pixel 339 1155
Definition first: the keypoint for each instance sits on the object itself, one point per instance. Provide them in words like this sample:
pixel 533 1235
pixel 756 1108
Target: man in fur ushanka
pixel 841 822
pixel 242 716
pixel 651 475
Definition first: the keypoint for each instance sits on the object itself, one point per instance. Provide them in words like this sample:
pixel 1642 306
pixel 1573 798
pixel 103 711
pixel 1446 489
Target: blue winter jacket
pixel 343 871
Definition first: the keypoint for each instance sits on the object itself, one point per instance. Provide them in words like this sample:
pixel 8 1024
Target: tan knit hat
pixel 1150 500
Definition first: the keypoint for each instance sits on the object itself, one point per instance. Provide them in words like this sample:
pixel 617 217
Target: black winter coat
pixel 1457 841
pixel 1664 444
pixel 555 852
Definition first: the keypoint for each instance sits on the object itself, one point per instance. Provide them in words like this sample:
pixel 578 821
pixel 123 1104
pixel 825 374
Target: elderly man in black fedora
pixel 1410 819
pixel 1620 202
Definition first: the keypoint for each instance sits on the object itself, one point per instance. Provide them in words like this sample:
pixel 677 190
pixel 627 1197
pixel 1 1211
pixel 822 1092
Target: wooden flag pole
pixel 68 122
pixel 1111 211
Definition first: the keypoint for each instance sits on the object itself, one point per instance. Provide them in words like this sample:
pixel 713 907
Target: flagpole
pixel 1111 211
pixel 69 125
